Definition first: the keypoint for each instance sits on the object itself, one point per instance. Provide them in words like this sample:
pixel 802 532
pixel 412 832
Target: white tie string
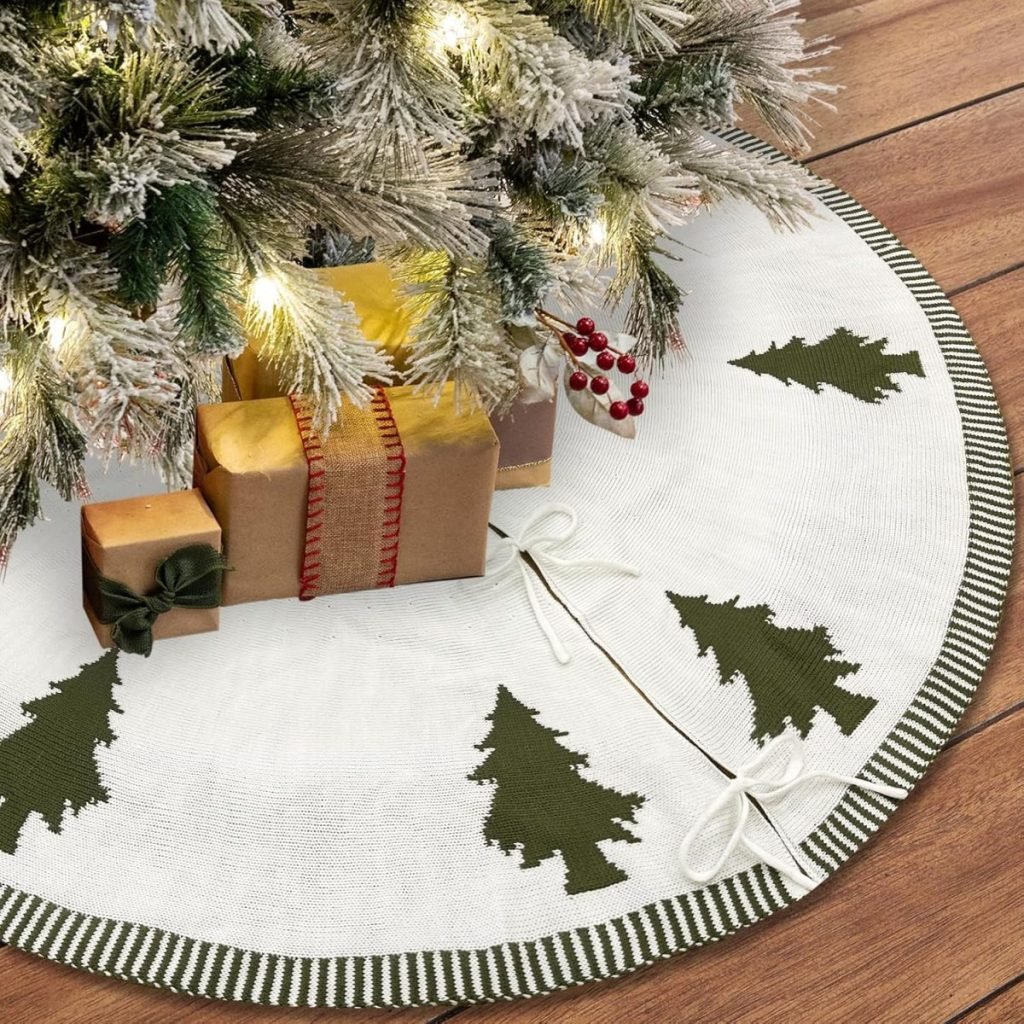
pixel 538 538
pixel 755 779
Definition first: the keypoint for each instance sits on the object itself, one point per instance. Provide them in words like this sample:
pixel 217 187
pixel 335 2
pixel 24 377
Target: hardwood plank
pixel 994 314
pixel 923 922
pixel 811 9
pixel 947 188
pixel 1005 1008
pixel 903 60
pixel 32 989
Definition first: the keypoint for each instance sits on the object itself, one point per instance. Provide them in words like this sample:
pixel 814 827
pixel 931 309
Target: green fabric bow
pixel 190 578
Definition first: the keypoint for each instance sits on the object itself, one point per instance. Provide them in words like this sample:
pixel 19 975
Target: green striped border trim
pixel 164 959
pixel 927 724
pixel 512 970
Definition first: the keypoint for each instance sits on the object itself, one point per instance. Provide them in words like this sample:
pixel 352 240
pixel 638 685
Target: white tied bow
pixel 538 538
pixel 769 785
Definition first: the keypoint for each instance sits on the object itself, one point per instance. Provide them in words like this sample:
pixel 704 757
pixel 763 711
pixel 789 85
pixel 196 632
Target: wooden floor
pixel 930 137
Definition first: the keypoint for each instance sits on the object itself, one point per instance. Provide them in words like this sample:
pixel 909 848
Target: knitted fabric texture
pixel 404 796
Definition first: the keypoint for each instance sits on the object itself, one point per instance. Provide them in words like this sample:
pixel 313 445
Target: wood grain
pixel 1005 1008
pixel 890 78
pixel 925 921
pixel 994 314
pixel 810 10
pixel 950 189
pixel 34 991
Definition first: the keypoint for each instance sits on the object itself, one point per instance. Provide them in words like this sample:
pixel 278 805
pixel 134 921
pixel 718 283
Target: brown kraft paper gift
pixel 126 540
pixel 252 466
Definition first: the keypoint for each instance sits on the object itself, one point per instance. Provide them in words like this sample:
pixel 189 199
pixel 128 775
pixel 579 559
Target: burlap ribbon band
pixel 354 502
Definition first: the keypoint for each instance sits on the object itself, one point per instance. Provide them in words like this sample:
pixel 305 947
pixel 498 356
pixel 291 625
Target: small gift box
pixel 399 492
pixel 525 432
pixel 151 569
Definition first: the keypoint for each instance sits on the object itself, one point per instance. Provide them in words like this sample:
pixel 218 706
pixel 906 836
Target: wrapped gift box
pixel 127 540
pixel 256 472
pixel 525 432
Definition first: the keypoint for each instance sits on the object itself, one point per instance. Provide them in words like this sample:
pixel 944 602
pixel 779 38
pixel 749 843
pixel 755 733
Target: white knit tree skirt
pixel 404 797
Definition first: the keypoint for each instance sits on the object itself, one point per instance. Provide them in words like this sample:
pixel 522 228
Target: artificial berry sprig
pixel 585 338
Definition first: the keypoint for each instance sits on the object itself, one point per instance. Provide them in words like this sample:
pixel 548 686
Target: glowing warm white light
pixel 5 381
pixel 597 232
pixel 57 329
pixel 265 293
pixel 453 30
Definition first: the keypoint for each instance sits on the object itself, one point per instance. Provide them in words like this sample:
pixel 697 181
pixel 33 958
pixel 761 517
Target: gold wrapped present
pixel 525 432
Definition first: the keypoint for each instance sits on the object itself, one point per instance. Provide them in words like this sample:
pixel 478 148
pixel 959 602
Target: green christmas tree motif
pixel 790 673
pixel 543 806
pixel 49 765
pixel 845 360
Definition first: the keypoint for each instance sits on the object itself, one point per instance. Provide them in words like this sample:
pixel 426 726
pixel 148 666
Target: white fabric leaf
pixel 594 408
pixel 539 368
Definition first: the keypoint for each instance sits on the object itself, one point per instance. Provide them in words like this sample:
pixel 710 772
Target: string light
pixel 56 331
pixel 597 231
pixel 265 293
pixel 453 30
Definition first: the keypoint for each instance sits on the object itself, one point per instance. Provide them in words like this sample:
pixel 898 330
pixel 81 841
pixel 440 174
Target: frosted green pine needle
pixel 160 158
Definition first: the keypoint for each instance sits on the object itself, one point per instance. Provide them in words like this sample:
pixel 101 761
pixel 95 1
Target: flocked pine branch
pixel 646 194
pixel 288 179
pixel 173 172
pixel 744 51
pixel 40 441
pixel 720 171
pixel 157 121
pixel 642 27
pixel 214 25
pixel 310 335
pixel 557 188
pixel 127 371
pixel 19 97
pixel 521 267
pixel 395 88
pixel 456 312
pixel 530 82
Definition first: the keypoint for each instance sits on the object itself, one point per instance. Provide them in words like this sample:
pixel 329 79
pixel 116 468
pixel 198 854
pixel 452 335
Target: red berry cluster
pixel 586 339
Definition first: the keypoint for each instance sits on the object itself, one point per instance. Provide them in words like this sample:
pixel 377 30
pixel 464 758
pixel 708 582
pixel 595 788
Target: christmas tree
pixel 543 806
pixel 49 765
pixel 172 173
pixel 844 360
pixel 789 672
